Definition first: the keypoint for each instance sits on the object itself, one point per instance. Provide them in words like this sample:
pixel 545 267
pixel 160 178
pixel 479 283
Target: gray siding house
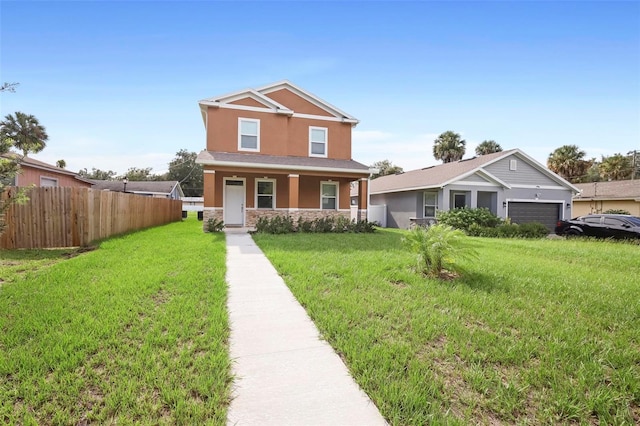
pixel 510 184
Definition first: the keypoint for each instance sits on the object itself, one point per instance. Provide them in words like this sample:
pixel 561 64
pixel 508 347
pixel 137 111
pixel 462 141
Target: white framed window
pixel 318 141
pixel 430 204
pixel 329 195
pixel 248 134
pixel 48 181
pixel 265 193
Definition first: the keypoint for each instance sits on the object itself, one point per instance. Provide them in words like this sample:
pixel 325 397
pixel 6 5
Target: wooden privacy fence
pixel 70 217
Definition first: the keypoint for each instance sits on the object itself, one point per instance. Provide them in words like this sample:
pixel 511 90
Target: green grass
pixel 132 332
pixel 535 332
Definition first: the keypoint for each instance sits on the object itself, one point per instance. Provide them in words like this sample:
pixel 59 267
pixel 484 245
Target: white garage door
pixel 545 213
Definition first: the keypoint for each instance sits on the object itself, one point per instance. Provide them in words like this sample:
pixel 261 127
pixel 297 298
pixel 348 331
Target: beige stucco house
pixel 598 197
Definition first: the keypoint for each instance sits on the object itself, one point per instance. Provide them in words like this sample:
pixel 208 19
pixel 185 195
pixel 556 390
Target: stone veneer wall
pixel 208 214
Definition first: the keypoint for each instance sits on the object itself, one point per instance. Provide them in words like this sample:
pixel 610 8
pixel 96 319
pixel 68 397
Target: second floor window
pixel 248 134
pixel 317 142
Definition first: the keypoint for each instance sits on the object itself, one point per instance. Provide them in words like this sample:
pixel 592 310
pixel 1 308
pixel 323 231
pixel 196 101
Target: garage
pixel 545 213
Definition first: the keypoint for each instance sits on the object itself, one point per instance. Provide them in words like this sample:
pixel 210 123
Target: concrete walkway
pixel 284 374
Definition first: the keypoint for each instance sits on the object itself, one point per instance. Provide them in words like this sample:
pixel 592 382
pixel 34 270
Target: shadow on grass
pixel 483 282
pixel 38 254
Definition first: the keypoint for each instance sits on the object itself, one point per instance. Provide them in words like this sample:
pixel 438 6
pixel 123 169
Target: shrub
pixel 533 230
pixel 214 225
pixel 508 230
pixel 616 211
pixel 464 218
pixel 339 224
pixel 438 248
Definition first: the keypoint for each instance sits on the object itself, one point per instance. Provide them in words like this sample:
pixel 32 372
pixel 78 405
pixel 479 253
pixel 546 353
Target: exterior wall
pixel 279 135
pixel 401 206
pixel 31 176
pixel 296 103
pixel 583 207
pixel 525 174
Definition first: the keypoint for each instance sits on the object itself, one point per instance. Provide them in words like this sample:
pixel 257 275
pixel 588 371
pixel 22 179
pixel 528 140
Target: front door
pixel 234 202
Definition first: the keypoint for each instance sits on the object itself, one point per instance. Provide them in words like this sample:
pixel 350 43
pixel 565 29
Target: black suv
pixel 601 226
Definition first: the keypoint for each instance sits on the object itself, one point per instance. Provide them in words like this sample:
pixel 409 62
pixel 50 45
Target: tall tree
pixel 616 167
pixel 448 147
pixel 634 157
pixel 184 169
pixel 385 167
pixel 98 174
pixel 8 87
pixel 138 174
pixel 25 130
pixel 61 163
pixel 568 161
pixel 488 147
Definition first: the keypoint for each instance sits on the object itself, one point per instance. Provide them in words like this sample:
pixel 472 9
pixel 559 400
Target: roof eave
pixel 364 172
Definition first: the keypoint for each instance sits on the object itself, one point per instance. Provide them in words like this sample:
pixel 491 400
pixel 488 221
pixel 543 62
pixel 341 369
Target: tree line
pixel 568 161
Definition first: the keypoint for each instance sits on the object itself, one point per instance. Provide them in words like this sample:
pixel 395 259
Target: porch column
pixel 294 192
pixel 363 198
pixel 209 188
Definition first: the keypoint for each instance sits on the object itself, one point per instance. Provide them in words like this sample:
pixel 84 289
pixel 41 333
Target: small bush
pixel 275 225
pixel 339 224
pixel 464 218
pixel 438 248
pixel 509 230
pixel 533 230
pixel 214 225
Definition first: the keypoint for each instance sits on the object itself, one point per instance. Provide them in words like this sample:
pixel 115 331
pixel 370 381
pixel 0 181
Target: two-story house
pixel 278 150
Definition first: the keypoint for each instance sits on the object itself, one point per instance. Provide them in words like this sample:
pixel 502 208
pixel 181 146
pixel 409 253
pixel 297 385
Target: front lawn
pixel 536 332
pixel 132 332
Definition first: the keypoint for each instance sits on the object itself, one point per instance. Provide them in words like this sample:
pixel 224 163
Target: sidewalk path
pixel 284 374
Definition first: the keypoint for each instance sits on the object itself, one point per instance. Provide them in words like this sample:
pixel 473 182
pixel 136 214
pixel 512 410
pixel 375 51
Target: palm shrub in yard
pixel 438 249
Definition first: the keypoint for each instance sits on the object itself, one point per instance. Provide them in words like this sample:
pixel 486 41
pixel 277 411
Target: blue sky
pixel 116 84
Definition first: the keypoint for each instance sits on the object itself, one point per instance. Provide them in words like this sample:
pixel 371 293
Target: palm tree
pixel 26 132
pixel 616 167
pixel 488 147
pixel 568 161
pixel 449 147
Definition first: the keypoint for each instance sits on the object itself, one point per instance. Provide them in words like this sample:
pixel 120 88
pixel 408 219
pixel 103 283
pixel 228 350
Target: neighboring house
pixel 277 150
pixel 39 173
pixel 509 183
pixel 192 204
pixel 159 189
pixel 598 197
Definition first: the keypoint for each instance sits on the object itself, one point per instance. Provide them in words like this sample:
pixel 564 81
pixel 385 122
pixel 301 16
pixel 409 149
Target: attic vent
pixel 513 164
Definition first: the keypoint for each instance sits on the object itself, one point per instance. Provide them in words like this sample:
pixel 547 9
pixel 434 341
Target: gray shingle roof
pixel 280 162
pixel 160 187
pixel 607 190
pixel 435 176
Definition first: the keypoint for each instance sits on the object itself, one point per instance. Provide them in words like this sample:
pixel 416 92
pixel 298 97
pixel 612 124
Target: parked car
pixel 601 226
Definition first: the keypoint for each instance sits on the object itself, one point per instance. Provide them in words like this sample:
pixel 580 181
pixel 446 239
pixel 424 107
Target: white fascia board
pixel 249 108
pixel 320 103
pixel 413 188
pixel 166 194
pixel 539 187
pixel 280 167
pixel 225 102
pixel 480 171
pixel 325 118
